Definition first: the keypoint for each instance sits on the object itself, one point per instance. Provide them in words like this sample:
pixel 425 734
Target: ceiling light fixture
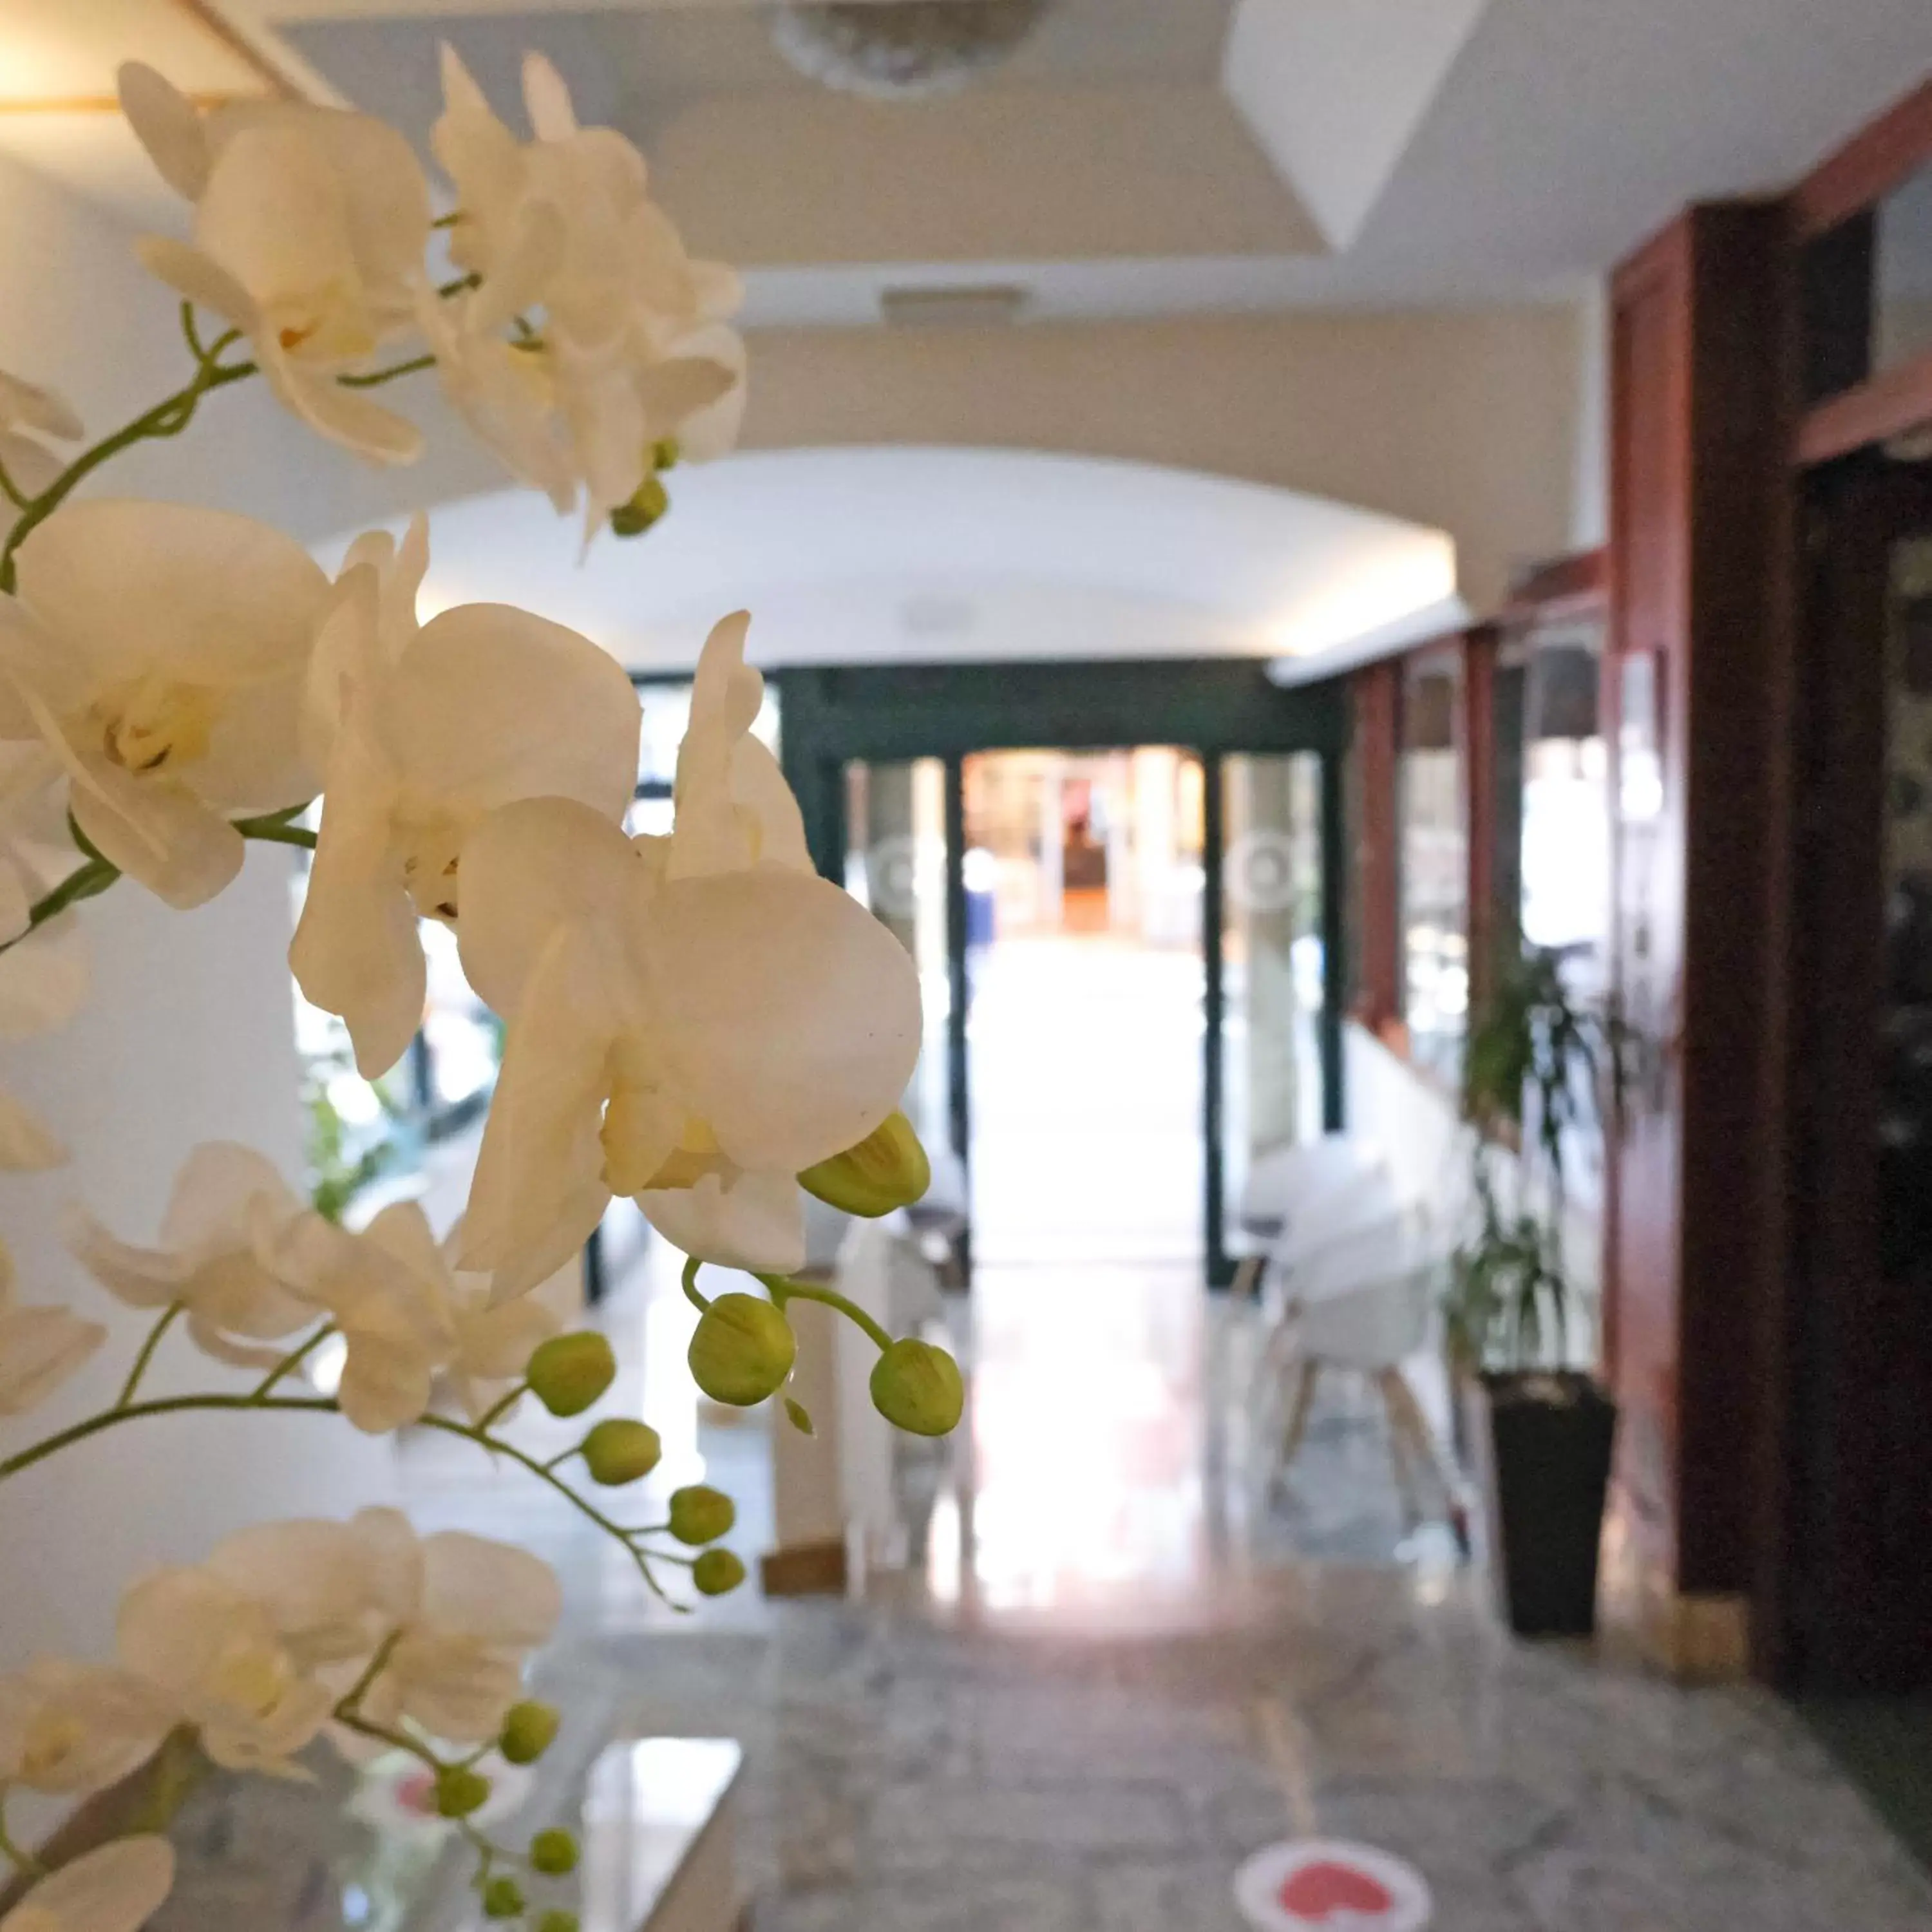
pixel 899 50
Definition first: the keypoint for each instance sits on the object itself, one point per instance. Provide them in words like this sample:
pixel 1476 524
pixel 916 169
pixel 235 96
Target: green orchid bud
pixel 619 1451
pixel 559 1921
pixel 717 1573
pixel 665 453
pixel 459 1791
pixel 553 1852
pixel 917 1388
pixel 502 1898
pixel 742 1351
pixel 529 1730
pixel 887 1169
pixel 647 507
pixel 700 1514
pixel 568 1372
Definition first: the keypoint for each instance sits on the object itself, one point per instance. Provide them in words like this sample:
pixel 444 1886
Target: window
pixel 1566 831
pixel 1432 862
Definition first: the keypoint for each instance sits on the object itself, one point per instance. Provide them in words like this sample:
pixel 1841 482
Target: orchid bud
pixel 568 1372
pixel 553 1852
pixel 887 1169
pixel 619 1450
pixel 700 1514
pixel 717 1573
pixel 559 1920
pixel 917 1388
pixel 647 507
pixel 459 1791
pixel 742 1350
pixel 502 1898
pixel 529 1730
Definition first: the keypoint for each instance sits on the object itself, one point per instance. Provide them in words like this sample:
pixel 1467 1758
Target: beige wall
pixel 1468 421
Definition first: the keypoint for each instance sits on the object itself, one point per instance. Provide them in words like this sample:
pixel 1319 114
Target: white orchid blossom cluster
pixel 578 339
pixel 698 1022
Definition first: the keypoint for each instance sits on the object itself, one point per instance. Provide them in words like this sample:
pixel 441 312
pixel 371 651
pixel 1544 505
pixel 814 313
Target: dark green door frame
pixel 1214 707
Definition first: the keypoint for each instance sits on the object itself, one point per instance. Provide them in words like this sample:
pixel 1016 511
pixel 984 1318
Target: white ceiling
pixel 884 556
pixel 1360 151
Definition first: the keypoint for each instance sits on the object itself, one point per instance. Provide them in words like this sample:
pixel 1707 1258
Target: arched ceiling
pixel 909 555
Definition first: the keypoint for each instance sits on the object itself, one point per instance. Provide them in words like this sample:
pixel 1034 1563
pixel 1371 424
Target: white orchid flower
pixel 310 225
pixel 209 1258
pixel 67 1729
pixel 398 1329
pixel 160 651
pixel 213 1652
pixel 489 1343
pixel 30 418
pixel 433 729
pixel 466 1612
pixel 692 1020
pixel 633 351
pixel 43 980
pixel 117 1887
pixel 457 1613
pixel 41 1348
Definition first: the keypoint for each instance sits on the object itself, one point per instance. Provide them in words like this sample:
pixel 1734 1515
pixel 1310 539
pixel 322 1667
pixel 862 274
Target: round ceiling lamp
pixel 898 50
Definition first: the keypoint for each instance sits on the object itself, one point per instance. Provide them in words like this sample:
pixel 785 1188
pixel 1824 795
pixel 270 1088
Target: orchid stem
pixel 377 376
pixel 167 417
pixel 349 1704
pixel 702 1303
pixel 147 1355
pixel 289 1363
pixel 112 1418
pixel 89 882
pixel 498 1409
pixel 782 1290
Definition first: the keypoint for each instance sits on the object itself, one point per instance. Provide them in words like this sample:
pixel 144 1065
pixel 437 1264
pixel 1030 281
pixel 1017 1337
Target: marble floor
pixel 1115 1662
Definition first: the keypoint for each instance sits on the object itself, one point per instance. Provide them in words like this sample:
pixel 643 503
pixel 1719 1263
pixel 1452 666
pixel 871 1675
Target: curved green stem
pixel 376 377
pixel 472 1433
pixel 702 1303
pixel 259 1400
pixel 276 831
pixel 782 1291
pixel 89 882
pixel 169 417
pixel 498 1410
pixel 138 1411
pixel 147 1355
pixel 289 1363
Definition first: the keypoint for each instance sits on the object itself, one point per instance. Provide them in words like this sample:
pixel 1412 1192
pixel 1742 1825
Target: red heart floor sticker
pixel 1325 1886
pixel 1325 1890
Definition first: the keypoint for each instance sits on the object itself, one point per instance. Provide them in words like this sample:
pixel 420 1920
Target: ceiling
pixel 1136 157
pixel 884 556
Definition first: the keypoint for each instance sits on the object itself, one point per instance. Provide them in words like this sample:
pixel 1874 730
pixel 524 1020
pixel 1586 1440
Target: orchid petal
pixel 117 1887
pixel 168 124
pixel 39 1349
pixel 28 1145
pixel 751 1221
pixel 789 1017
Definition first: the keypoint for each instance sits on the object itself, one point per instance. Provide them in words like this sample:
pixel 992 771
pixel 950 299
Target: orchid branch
pixel 289 1363
pixel 260 1400
pixel 376 377
pixel 169 1314
pixel 167 417
pixel 781 1290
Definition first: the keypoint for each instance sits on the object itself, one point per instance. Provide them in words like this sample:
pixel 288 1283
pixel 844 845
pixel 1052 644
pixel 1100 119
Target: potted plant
pixel 1540 1431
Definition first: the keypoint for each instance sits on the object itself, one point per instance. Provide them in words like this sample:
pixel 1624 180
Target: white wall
pixel 1464 422
pixel 1415 1121
pixel 189 1035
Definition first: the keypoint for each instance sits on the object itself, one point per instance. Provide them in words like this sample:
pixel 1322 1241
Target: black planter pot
pixel 1543 1454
